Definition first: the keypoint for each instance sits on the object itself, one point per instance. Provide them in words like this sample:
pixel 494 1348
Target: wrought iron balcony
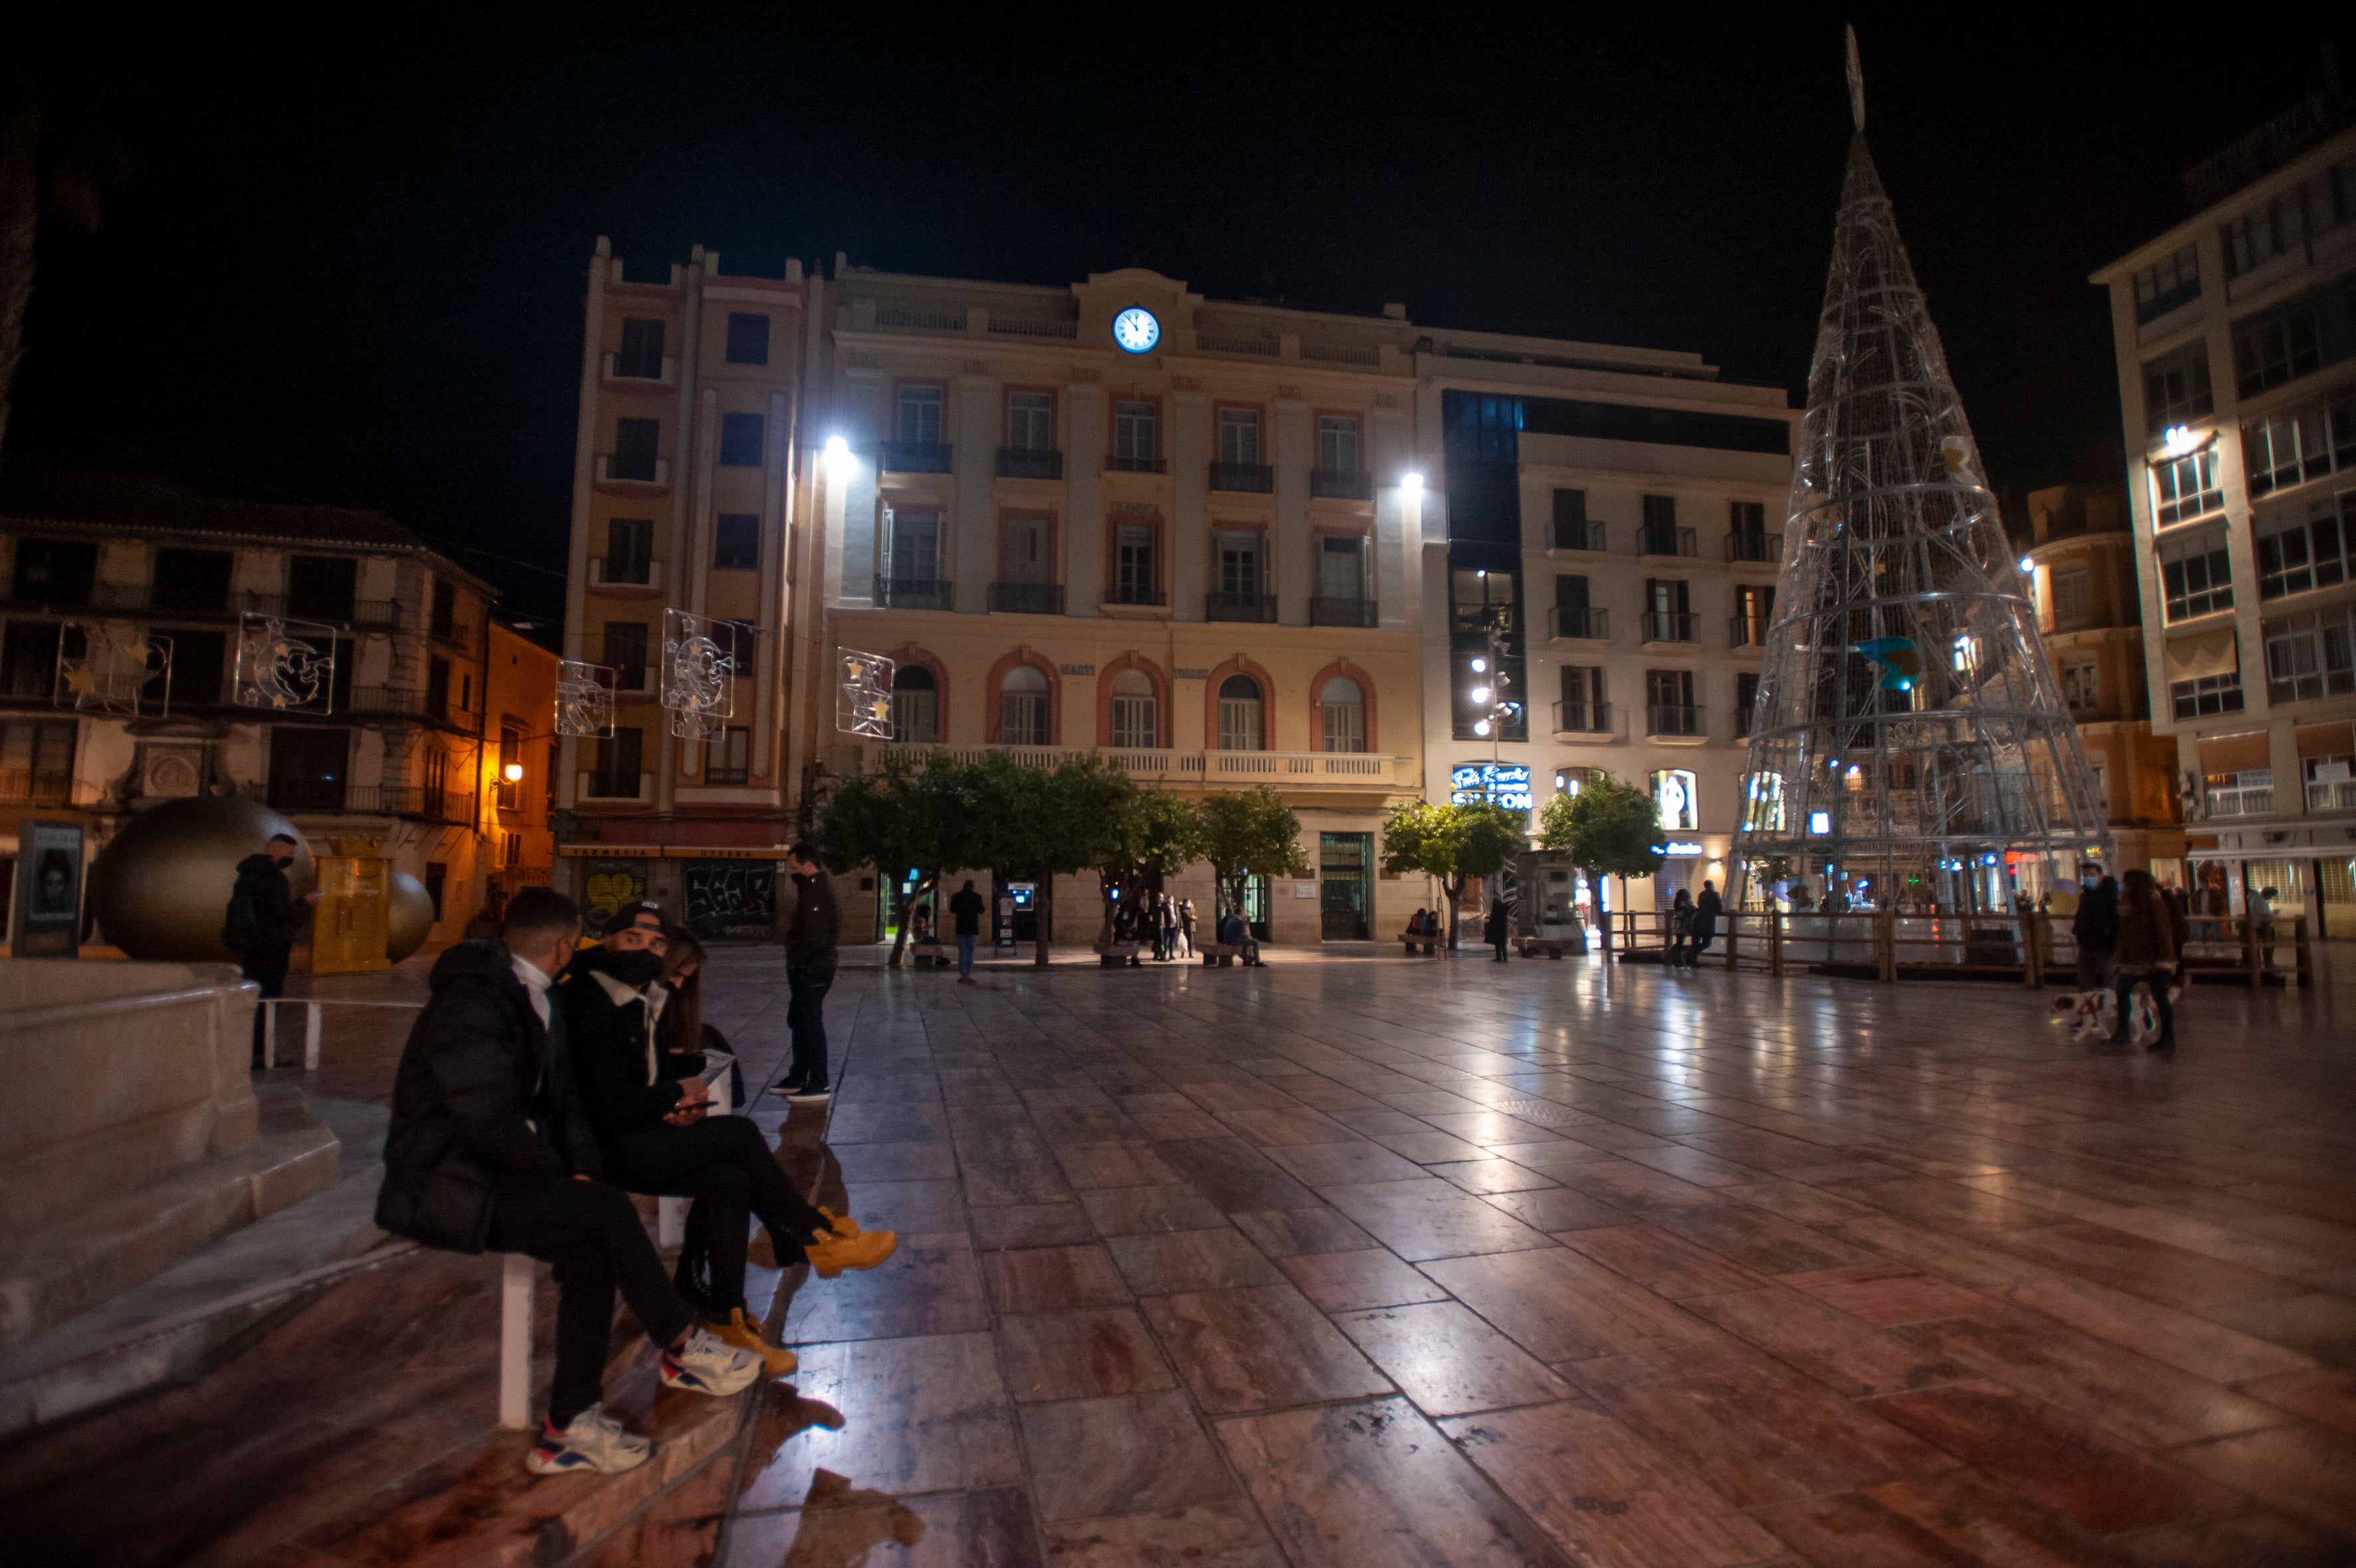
pixel 1118 463
pixel 616 469
pixel 916 457
pixel 1342 484
pixel 1582 718
pixel 1767 547
pixel 21 787
pixel 1588 536
pixel 912 593
pixel 1746 631
pixel 1670 626
pixel 1342 612
pixel 1566 621
pixel 1029 462
pixel 1239 607
pixel 1027 598
pixel 1672 720
pixel 621 572
pixel 1657 540
pixel 727 775
pixel 1251 478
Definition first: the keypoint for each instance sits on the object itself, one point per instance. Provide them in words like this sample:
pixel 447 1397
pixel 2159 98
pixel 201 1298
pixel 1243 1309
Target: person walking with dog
pixel 2146 956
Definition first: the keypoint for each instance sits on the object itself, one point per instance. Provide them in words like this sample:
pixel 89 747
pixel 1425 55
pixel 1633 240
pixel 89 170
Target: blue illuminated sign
pixel 1506 784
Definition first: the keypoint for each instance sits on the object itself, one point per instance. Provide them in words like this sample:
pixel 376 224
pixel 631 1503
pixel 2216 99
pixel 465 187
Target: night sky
pixel 348 266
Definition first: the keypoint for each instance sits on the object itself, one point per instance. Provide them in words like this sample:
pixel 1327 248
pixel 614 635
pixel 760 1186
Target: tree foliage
pixel 905 817
pixel 1608 829
pixel 1459 844
pixel 1245 831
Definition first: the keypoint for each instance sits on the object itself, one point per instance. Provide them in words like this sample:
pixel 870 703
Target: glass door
pixel 1344 894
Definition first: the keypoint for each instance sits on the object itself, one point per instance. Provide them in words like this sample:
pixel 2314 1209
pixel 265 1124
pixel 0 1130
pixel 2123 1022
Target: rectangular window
pixel 1135 582
pixel 748 338
pixel 511 791
pixel 2196 577
pixel 2298 336
pixel 728 756
pixel 2165 284
pixel 1342 725
pixel 614 771
pixel 36 759
pixel 56 571
pixel 2314 552
pixel 736 539
pixel 1341 569
pixel 2080 686
pixel 192 582
pixel 1675 809
pixel 2310 656
pixel 642 351
pixel 625 653
pixel 1660 512
pixel 2185 488
pixel 912 545
pixel 915 709
pixel 636 442
pixel 2299 444
pixel 442 619
pixel 629 549
pixel 741 437
pixel 1337 444
pixel 1239 438
pixel 1571 528
pixel 1027 557
pixel 2274 228
pixel 1031 422
pixel 437 688
pixel 200 663
pixel 2074 595
pixel 920 417
pixel 1133 435
pixel 1667 610
pixel 1746 701
pixel 322 587
pixel 29 659
pixel 2176 387
pixel 1754 610
pixel 1582 710
pixel 1239 567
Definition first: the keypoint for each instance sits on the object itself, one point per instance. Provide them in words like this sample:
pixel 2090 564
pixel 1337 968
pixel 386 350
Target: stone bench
pixel 519 1281
pixel 1114 955
pixel 1428 940
pixel 929 953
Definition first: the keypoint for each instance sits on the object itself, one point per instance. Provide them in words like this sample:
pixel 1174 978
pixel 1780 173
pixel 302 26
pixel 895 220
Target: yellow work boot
pixel 830 1253
pixel 842 1225
pixel 745 1334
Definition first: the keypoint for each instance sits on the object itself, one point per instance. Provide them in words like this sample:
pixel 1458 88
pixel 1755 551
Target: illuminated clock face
pixel 1136 330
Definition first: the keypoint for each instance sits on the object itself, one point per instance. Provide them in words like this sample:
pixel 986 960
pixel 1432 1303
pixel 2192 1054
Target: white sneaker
pixel 709 1365
pixel 595 1441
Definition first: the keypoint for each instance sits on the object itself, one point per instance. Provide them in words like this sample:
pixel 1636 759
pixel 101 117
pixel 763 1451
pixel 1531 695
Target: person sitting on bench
pixel 657 1138
pixel 488 1151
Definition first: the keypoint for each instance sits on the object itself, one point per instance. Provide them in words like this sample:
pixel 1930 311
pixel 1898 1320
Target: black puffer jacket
pixel 811 934
pixel 480 1097
pixel 609 1052
pixel 2097 924
pixel 271 918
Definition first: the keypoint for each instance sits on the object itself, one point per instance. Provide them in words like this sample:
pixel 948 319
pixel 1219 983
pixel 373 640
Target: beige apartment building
pixel 2082 565
pixel 2236 339
pixel 1118 516
pixel 683 501
pixel 1614 517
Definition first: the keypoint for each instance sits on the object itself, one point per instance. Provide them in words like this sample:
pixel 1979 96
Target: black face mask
pixel 635 969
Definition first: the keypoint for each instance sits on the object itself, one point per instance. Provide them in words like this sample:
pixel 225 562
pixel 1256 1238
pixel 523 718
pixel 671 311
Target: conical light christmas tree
pixel 1911 744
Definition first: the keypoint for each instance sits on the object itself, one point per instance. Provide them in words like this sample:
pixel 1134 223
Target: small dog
pixel 2096 1012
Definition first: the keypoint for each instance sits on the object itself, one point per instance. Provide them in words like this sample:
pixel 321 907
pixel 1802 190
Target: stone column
pixel 1188 535
pixel 1084 519
pixel 974 529
pixel 1295 570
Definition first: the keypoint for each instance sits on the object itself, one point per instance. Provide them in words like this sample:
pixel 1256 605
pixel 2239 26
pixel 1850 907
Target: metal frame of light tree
pixel 1909 732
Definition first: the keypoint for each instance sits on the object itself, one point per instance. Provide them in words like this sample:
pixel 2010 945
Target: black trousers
pixel 266 967
pixel 726 1165
pixel 590 1230
pixel 806 992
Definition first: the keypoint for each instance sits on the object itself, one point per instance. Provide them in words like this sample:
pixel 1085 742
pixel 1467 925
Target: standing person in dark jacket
pixel 488 1151
pixel 1496 930
pixel 2095 927
pixel 1706 910
pixel 965 907
pixel 656 1135
pixel 810 972
pixel 261 923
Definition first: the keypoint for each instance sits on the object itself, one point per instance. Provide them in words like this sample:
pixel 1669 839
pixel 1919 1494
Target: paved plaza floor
pixel 1375 1261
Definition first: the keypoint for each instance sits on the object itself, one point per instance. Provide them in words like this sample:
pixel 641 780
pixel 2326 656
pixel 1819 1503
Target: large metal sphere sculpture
pixel 161 886
pixel 410 918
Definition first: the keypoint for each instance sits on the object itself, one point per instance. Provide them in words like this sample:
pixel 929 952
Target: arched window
pixel 1136 712
pixel 1023 707
pixel 1239 710
pixel 1342 707
pixel 915 705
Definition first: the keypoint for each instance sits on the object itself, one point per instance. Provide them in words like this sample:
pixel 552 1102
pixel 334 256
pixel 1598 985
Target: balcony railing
pixel 2249 800
pixel 1670 626
pixel 118 596
pixel 916 457
pixel 1565 621
pixel 1742 717
pixel 1342 484
pixel 1029 462
pixel 612 469
pixel 1767 547
pixel 21 787
pixel 658 367
pixel 1746 631
pixel 457 633
pixel 1290 769
pixel 913 593
pixel 1672 719
pixel 1250 479
pixel 1659 540
pixel 727 775
pixel 334 795
pixel 1134 593
pixel 1239 607
pixel 595 786
pixel 1027 598
pixel 384 700
pixel 1118 464
pixel 1582 718
pixel 1342 612
pixel 618 571
pixel 1588 536
pixel 2331 795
